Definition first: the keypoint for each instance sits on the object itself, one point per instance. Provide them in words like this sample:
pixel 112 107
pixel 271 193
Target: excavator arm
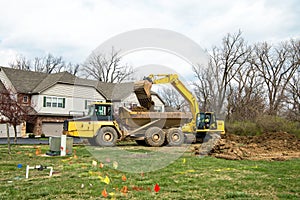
pixel 173 79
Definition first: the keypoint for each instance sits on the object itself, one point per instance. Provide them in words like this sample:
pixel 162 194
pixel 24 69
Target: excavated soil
pixel 269 146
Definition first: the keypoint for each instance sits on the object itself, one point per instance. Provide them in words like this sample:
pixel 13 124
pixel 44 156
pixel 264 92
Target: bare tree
pixel 73 68
pixel 293 100
pixel 107 68
pixel 12 112
pixel 46 64
pixel 277 66
pixel 202 87
pixel 172 98
pixel 21 62
pixel 225 62
pixel 244 98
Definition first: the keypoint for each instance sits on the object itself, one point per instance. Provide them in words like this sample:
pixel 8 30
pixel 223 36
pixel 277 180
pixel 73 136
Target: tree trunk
pixel 15 129
pixel 8 139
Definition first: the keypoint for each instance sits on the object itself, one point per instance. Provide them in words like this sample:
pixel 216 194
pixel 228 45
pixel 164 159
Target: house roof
pixel 37 82
pixel 52 79
pixel 2 87
pixel 116 91
pixel 24 81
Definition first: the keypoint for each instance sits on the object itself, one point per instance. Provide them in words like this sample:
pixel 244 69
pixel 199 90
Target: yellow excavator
pixel 102 128
pixel 202 123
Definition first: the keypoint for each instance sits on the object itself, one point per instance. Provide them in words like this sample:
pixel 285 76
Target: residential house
pixel 59 96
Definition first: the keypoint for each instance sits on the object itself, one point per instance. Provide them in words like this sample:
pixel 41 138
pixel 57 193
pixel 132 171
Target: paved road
pixel 34 141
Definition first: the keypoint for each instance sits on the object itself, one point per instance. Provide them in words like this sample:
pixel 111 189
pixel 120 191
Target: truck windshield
pixel 99 110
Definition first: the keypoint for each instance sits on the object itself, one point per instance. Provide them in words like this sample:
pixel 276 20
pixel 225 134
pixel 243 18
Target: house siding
pixel 73 91
pixel 74 96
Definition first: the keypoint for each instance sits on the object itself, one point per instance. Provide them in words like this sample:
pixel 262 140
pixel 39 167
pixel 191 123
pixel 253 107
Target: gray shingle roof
pixel 115 91
pixel 37 82
pixel 2 87
pixel 52 79
pixel 24 81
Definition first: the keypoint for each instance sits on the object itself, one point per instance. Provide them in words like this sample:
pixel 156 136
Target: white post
pixel 51 171
pixel 63 145
pixel 27 171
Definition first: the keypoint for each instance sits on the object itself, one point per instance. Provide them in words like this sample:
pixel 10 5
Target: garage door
pixel 52 129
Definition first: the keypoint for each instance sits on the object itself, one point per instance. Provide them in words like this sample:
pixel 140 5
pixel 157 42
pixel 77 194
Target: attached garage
pixel 52 128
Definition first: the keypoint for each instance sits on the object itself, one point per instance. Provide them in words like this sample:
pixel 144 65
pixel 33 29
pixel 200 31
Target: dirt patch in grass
pixel 278 146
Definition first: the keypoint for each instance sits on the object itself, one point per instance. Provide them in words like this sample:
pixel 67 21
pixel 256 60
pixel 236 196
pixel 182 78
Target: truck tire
pixel 155 137
pixel 175 137
pixel 106 137
pixel 92 141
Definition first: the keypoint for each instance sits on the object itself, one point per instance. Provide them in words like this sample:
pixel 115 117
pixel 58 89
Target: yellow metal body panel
pixel 89 129
pixel 220 128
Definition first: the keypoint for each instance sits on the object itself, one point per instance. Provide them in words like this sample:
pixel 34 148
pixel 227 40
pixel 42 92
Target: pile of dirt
pixel 268 146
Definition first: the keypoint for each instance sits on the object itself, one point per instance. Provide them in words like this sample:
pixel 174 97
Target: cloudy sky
pixel 74 28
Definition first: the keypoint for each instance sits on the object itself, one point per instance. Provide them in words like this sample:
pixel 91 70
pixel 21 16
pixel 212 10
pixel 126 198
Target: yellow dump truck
pixel 101 127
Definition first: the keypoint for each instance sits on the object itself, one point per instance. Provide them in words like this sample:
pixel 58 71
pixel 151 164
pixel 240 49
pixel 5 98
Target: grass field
pixel 188 177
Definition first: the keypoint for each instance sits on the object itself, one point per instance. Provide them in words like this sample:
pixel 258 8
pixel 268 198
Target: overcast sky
pixel 74 28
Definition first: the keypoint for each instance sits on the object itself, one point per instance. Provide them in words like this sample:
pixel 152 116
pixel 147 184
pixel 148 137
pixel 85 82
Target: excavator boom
pixel 142 91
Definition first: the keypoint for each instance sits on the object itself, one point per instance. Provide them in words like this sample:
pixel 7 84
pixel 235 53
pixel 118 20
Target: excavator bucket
pixel 142 90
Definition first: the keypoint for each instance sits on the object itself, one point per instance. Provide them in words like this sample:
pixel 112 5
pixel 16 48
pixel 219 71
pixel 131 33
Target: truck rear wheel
pixel 175 137
pixel 155 137
pixel 106 137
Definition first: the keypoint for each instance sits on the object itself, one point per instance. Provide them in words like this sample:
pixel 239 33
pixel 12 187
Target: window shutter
pixel 64 101
pixel 44 101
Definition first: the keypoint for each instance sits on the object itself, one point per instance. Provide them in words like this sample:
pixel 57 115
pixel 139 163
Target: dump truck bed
pixel 134 119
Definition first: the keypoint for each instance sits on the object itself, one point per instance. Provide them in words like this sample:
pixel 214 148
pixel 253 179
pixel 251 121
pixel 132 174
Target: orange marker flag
pixel 101 165
pixel 156 187
pixel 104 193
pixel 124 178
pixel 38 151
pixel 124 190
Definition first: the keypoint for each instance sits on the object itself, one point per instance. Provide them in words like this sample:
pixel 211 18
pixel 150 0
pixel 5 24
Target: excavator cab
pixel 206 121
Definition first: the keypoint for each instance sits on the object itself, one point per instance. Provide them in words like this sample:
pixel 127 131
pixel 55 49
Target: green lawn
pixel 188 177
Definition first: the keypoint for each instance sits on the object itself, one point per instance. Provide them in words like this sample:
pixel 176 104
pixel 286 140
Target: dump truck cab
pixel 99 126
pixel 101 111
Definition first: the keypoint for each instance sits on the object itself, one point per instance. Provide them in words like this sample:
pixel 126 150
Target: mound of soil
pixel 268 146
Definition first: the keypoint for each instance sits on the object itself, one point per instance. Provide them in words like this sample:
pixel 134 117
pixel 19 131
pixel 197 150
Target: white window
pixel 54 102
pixel 48 101
pixel 60 102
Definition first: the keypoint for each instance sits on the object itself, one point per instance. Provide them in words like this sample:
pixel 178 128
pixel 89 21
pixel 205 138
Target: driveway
pixel 35 141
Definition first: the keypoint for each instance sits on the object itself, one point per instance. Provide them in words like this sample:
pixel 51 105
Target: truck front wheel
pixel 155 137
pixel 106 137
pixel 175 137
